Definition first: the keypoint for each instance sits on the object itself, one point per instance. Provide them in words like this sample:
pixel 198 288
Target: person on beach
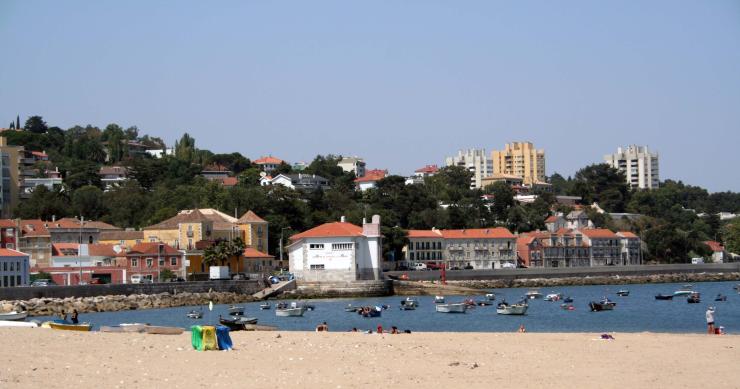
pixel 74 317
pixel 354 329
pixel 522 329
pixel 394 330
pixel 323 327
pixel 380 329
pixel 710 320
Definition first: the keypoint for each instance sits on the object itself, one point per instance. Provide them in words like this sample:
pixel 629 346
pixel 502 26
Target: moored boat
pixel 490 296
pixel 512 309
pixel 664 297
pixel 484 302
pixel 195 314
pixel 684 291
pixel 410 301
pixel 16 324
pixel 439 299
pixel 290 312
pixel 235 310
pixel 351 308
pixel 554 297
pixel 451 308
pixel 603 305
pixel 720 297
pixel 533 294
pixel 14 315
pixel 70 326
pixel 567 307
pixel 159 330
pixel 568 300
pixel 623 293
pixel 407 307
pixel 237 323
pixel 265 305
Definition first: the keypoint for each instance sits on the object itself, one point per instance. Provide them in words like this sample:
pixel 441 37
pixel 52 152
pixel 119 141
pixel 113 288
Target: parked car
pixel 141 279
pixel 508 265
pixel 420 266
pixel 42 282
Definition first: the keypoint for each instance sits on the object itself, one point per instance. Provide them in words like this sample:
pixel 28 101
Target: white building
pixel 14 268
pixel 338 251
pixel 477 161
pixel 353 164
pixel 638 164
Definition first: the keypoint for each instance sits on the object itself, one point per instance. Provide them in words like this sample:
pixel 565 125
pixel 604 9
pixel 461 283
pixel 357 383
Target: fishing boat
pixel 623 293
pixel 568 300
pixel 684 291
pixel 490 296
pixel 567 307
pixel 439 299
pixel 14 315
pixel 195 314
pixel 235 310
pixel 237 323
pixel 16 324
pixel 405 306
pixel 290 312
pixel 554 297
pixel 720 297
pixel 694 298
pixel 664 297
pixel 451 308
pixel 410 301
pixel 70 326
pixel 533 294
pixel 512 309
pixel 158 330
pixel 265 305
pixel 370 312
pixel 603 305
pixel 483 303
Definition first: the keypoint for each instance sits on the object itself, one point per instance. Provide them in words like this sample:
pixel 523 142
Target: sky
pixel 400 83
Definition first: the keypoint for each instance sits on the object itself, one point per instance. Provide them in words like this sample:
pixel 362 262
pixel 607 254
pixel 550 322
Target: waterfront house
pixel 605 246
pixel 14 268
pixel 481 248
pixel 148 259
pixel 719 255
pixel 337 251
pixel 73 262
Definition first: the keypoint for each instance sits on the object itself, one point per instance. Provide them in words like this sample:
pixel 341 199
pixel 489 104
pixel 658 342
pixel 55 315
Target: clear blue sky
pixel 401 83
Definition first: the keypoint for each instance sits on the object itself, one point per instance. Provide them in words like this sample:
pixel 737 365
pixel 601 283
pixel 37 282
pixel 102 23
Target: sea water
pixel 635 313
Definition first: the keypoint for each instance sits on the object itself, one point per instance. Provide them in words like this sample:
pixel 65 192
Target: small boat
pixel 14 316
pixel 264 306
pixel 259 327
pixel 158 330
pixel 694 298
pixel 533 294
pixel 195 314
pixel 350 308
pixel 370 311
pixel 237 323
pixel 554 297
pixel 407 307
pixel 70 326
pixel 490 296
pixel 568 300
pixel 664 297
pixel 603 305
pixel 451 308
pixel 512 309
pixel 684 291
pixel 290 312
pixel 439 299
pixel 483 303
pixel 720 297
pixel 567 307
pixel 14 323
pixel 410 301
pixel 623 293
pixel 235 310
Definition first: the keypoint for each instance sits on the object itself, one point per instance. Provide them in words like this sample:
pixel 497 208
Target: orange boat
pixel 71 327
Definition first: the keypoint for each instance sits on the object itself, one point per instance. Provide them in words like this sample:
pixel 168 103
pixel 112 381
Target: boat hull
pixel 71 327
pixel 157 330
pixel 289 312
pixel 451 308
pixel 14 316
pixel 14 323
pixel 598 307
pixel 663 297
pixel 512 310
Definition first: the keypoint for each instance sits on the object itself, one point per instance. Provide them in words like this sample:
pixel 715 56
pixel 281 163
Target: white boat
pixel 236 310
pixel 451 308
pixel 195 314
pixel 14 316
pixel 515 309
pixel 684 291
pixel 410 301
pixel 533 294
pixel 554 297
pixel 439 299
pixel 285 312
pixel 490 296
pixel 265 306
pixel 12 323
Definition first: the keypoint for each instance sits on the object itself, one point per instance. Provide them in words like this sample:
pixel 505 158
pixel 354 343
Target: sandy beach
pixel 38 358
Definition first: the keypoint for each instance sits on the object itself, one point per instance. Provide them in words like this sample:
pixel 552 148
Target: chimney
pixel 53 218
pixel 343 219
pixel 372 230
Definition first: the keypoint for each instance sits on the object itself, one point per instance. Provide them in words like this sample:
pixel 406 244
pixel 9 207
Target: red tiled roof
pixel 254 253
pixel 251 217
pixel 12 253
pixel 268 160
pixel 39 154
pixel 152 248
pixel 215 168
pixel 628 234
pixel 329 230
pixel 7 223
pixel 34 227
pixel 424 234
pixel 551 219
pixel 598 233
pixel 372 175
pixel 58 249
pixel 104 250
pixel 230 181
pixel 428 169
pixel 714 246
pixel 478 233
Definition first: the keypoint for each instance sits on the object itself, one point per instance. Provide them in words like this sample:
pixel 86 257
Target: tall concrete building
pixel 638 164
pixel 520 159
pixel 10 179
pixel 476 161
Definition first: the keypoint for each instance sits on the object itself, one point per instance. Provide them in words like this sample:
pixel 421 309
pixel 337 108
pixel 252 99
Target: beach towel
pixel 223 338
pixel 196 337
pixel 209 338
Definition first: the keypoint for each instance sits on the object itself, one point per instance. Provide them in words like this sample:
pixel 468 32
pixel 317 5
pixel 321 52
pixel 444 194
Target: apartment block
pixel 522 160
pixel 474 160
pixel 638 164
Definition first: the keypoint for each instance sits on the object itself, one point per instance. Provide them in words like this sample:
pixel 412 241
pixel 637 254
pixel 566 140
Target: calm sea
pixel 635 313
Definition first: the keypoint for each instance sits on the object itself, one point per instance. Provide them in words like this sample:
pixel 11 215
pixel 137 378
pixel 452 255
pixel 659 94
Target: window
pixel 17 280
pixel 134 262
pixel 173 261
pixel 317 267
pixel 5 266
pixel 316 246
pixel 341 246
pixel 11 267
pixel 152 238
pixel 149 262
pixel 11 246
pixel 161 262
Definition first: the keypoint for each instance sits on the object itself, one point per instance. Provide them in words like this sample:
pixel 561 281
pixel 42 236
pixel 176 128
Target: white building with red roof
pixel 370 179
pixel 718 251
pixel 14 268
pixel 268 164
pixel 337 251
pixel 476 248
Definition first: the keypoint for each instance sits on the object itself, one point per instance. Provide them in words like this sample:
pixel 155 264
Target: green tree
pixel 88 202
pixel 116 143
pixel 185 148
pixel 44 204
pixel 731 235
pixel 36 124
pixel 503 199
pixel 603 184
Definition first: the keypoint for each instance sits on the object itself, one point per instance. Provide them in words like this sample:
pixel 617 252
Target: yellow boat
pixel 71 327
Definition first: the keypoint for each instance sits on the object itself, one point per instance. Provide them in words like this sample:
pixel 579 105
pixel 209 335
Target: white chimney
pixel 343 219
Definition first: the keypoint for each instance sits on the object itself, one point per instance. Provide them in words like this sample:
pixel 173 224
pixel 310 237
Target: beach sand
pixel 45 358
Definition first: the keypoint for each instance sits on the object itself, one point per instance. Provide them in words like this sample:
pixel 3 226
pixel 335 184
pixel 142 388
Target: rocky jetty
pixel 54 306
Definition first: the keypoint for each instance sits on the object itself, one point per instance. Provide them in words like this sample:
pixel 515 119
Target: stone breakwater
pixel 54 306
pixel 597 280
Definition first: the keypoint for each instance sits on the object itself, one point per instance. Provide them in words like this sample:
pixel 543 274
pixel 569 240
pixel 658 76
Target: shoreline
pixel 353 360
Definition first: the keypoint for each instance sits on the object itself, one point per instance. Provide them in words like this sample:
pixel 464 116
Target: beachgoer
pixel 74 317
pixel 394 330
pixel 380 329
pixel 710 320
pixel 63 316
pixel 522 329
pixel 354 329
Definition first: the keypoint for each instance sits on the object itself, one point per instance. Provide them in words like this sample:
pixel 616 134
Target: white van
pixel 419 266
pixel 141 279
pixel 697 260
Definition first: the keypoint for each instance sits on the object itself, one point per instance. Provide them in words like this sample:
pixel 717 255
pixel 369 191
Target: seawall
pixel 308 290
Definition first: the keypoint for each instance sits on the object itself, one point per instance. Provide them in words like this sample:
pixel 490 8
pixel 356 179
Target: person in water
pixel 74 317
